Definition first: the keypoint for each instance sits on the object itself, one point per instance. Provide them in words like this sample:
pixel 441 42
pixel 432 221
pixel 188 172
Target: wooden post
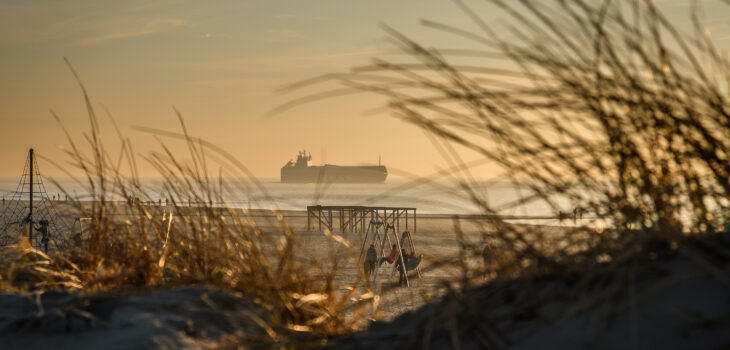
pixel 401 258
pixel 414 231
pixel 30 199
pixel 382 247
pixel 362 249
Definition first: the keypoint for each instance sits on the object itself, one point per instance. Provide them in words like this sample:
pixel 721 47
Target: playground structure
pixel 80 230
pixel 31 211
pixel 378 225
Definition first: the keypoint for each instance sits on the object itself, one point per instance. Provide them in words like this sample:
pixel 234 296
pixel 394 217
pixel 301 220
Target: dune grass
pixel 604 110
pixel 606 106
pixel 132 242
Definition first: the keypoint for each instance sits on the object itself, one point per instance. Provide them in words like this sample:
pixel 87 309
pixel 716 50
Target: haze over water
pixel 428 197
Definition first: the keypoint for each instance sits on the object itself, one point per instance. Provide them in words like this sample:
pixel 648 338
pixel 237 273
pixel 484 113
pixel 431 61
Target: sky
pixel 221 64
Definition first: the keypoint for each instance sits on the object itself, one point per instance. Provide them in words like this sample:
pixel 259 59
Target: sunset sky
pixel 220 63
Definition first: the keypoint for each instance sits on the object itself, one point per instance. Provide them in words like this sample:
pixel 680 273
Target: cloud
pixel 133 30
pixel 86 22
pixel 278 64
pixel 284 34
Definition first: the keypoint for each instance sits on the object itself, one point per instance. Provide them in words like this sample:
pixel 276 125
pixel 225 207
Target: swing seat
pixel 413 262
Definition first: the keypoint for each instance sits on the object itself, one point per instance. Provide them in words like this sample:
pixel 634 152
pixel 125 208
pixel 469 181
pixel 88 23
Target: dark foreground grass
pixel 605 110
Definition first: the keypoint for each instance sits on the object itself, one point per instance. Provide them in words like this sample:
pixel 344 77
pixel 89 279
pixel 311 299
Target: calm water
pixel 429 197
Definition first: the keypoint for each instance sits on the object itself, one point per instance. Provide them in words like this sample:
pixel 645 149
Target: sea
pixel 442 196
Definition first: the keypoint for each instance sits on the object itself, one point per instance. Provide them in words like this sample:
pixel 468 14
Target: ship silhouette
pixel 301 172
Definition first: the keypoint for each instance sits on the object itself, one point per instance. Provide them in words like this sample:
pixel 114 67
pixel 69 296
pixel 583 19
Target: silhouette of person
pixel 371 258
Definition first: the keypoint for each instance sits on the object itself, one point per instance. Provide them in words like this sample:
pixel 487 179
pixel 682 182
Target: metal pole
pixel 414 221
pixel 30 198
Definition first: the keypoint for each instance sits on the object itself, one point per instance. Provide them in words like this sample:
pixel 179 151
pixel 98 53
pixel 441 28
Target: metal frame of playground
pixel 31 210
pixel 370 221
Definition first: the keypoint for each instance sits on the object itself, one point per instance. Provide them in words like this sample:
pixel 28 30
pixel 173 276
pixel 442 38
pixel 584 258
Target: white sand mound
pixel 190 317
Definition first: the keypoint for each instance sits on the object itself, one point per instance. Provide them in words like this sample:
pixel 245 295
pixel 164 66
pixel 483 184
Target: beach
pixel 147 318
pixel 524 312
pixel 435 238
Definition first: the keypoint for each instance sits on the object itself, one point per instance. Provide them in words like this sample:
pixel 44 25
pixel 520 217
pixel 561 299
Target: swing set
pixel 377 226
pixel 379 242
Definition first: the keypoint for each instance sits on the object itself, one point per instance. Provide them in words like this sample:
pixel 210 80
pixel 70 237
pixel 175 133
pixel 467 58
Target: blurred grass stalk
pixel 134 243
pixel 606 105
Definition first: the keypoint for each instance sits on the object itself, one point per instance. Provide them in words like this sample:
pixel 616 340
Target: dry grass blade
pixel 613 116
pixel 136 240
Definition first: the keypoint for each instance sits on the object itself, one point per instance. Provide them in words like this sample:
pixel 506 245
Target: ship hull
pixel 334 174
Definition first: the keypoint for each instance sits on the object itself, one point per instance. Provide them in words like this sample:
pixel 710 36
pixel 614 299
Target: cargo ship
pixel 301 172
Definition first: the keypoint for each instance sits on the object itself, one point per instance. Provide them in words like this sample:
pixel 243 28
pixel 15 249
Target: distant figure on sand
pixel 577 214
pixel 371 257
pixel 391 257
pixel 486 253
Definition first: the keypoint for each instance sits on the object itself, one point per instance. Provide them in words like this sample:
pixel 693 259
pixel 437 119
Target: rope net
pixel 48 227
